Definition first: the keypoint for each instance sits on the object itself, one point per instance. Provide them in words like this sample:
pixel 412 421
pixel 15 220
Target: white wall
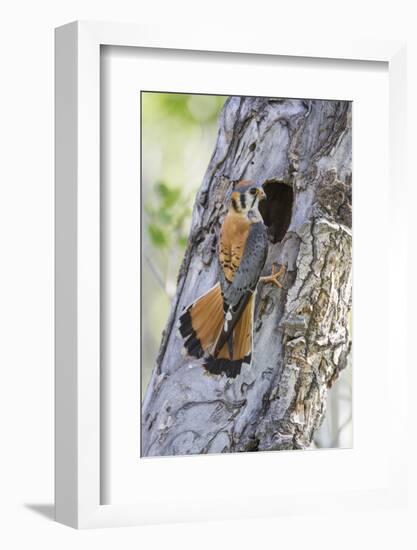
pixel 26 273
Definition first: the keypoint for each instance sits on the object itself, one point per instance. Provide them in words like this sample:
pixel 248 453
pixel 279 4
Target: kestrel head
pixel 246 195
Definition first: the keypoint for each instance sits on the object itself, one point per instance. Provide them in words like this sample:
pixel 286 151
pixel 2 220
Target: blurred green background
pixel 178 136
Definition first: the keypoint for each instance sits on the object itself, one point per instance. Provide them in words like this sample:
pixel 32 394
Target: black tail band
pixel 230 368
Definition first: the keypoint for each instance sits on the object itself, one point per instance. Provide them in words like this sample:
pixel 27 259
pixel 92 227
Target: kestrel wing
pixel 237 293
pixel 250 267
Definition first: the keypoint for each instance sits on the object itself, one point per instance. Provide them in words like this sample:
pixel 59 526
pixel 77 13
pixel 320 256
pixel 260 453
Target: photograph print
pixel 246 274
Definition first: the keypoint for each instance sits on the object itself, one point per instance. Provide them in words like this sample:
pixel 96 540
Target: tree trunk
pixel 302 150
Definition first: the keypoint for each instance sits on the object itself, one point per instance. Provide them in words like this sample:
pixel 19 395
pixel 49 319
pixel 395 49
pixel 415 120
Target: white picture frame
pixel 77 425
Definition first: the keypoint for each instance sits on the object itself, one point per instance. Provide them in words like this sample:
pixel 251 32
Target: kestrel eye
pixel 253 191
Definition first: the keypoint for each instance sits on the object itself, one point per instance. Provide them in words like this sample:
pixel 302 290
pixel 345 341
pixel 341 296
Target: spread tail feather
pixel 201 323
pixel 229 362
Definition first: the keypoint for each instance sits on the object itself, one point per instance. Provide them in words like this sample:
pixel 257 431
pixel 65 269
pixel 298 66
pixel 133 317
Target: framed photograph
pixel 226 326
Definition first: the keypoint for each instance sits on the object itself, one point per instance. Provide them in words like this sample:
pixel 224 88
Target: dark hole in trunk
pixel 276 209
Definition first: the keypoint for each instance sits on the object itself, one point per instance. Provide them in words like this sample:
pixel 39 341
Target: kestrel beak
pixel 262 194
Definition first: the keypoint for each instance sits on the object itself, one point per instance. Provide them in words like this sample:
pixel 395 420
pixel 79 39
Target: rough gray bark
pixel 301 333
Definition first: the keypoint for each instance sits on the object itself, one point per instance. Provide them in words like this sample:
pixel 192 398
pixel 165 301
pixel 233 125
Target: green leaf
pixel 158 236
pixel 167 195
pixel 172 198
pixel 182 242
pixel 162 189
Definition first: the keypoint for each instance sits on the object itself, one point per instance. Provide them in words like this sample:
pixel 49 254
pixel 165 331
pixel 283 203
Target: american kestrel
pixel 218 326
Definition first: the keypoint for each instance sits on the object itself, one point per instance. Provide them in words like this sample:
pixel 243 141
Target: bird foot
pixel 273 278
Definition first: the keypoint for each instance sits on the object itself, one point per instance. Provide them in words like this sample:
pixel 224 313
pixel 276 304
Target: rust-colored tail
pixel 238 348
pixel 201 326
pixel 201 323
